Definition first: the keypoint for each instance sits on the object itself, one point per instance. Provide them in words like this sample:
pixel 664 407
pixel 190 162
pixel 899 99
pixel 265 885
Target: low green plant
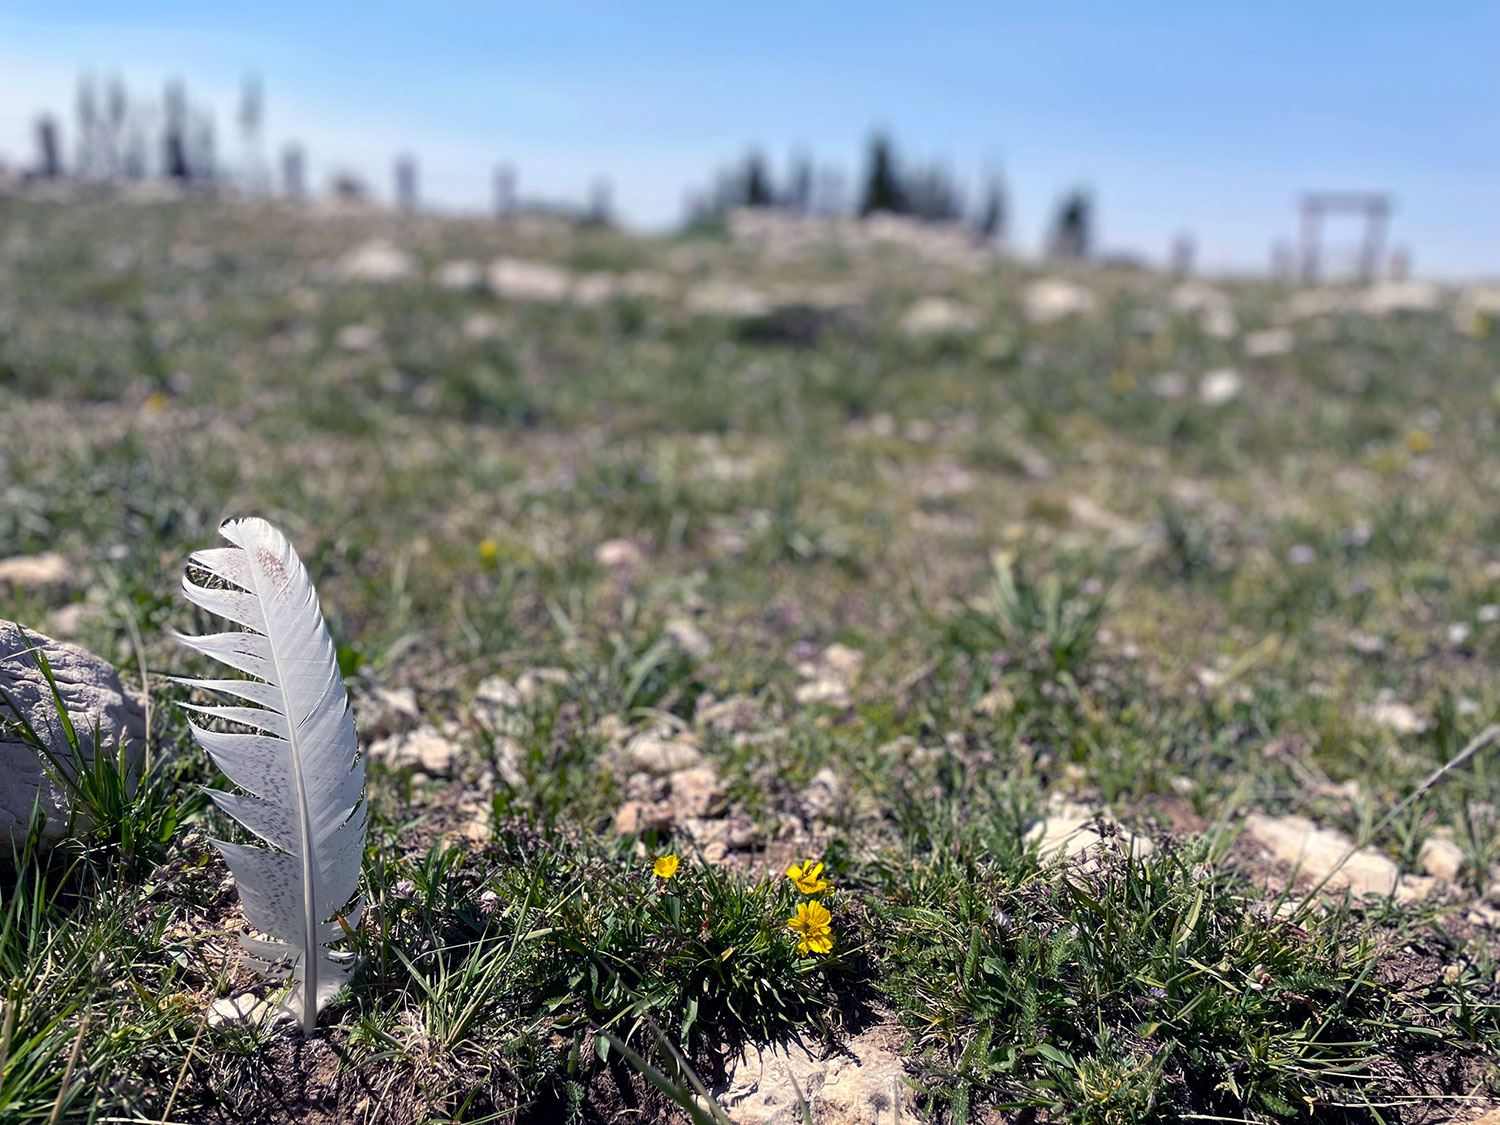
pixel 1055 619
pixel 131 801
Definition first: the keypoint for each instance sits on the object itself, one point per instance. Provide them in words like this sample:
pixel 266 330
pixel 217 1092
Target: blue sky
pixel 1206 117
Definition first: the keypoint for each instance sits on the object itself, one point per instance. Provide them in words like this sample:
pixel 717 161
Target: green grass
pixel 1061 584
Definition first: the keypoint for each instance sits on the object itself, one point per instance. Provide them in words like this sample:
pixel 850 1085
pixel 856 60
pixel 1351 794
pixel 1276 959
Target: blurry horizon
pixel 1183 119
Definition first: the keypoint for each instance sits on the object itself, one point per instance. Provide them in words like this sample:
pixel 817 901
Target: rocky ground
pixel 1085 623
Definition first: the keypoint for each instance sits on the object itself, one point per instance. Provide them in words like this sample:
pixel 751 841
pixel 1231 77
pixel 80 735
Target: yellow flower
pixel 665 866
pixel 1121 382
pixel 488 549
pixel 1419 441
pixel 156 402
pixel 813 923
pixel 808 877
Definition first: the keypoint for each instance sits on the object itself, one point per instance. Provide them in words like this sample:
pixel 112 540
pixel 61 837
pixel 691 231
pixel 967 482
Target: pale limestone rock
pixel 860 1084
pixel 688 637
pixel 91 693
pixel 1219 387
pixel 864 1083
pixel 536 682
pixel 1317 302
pixel 636 817
pixel 359 338
pixel 1196 297
pixel 1212 306
pixel 1321 852
pixel 377 262
pixel 386 711
pixel 646 284
pixel 1219 323
pixel 1442 859
pixel 1170 384
pixel 481 326
pixel 34 572
pixel 246 1008
pixel 619 554
pixel 659 754
pixel 1053 298
pixel 695 792
pixel 823 793
pixel 933 317
pixel 842 660
pixel 515 279
pixel 829 678
pixel 1389 712
pixel 1072 832
pixel 459 275
pixel 1390 298
pixel 595 289
pixel 731 299
pixel 1269 342
pixel 823 689
pixel 424 747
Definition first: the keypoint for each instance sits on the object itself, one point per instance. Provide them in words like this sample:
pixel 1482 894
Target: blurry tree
pixel 174 139
pixel 293 172
pixel 1072 231
pixel 48 148
pixel 931 194
pixel 601 207
pixel 993 213
pixel 88 164
pixel 505 190
pixel 406 182
pixel 202 149
pixel 121 131
pixel 348 187
pixel 799 190
pixel 882 180
pixel 757 181
pixel 253 176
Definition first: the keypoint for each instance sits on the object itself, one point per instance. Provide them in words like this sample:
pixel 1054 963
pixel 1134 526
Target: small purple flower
pixel 405 889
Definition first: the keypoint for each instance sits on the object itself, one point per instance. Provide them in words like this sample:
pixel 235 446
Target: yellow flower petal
pixel 808 878
pixel 665 866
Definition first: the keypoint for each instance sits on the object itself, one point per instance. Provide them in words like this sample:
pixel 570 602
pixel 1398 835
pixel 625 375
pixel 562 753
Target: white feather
pixel 302 776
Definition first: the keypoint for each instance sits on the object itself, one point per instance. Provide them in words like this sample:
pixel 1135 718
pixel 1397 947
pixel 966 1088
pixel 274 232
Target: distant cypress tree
pixel 800 184
pixel 993 214
pixel 48 148
pixel 174 155
pixel 1072 234
pixel 757 182
pixel 882 181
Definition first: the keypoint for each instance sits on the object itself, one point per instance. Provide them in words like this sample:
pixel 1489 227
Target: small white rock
pixel 1269 342
pixel 1170 384
pixel 245 1008
pixel 377 262
pixel 1442 859
pixel 459 275
pixel 618 554
pixel 1390 712
pixel 661 754
pixel 1052 299
pixel 935 317
pixel 514 279
pixel 359 337
pixel 481 326
pixel 1219 387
